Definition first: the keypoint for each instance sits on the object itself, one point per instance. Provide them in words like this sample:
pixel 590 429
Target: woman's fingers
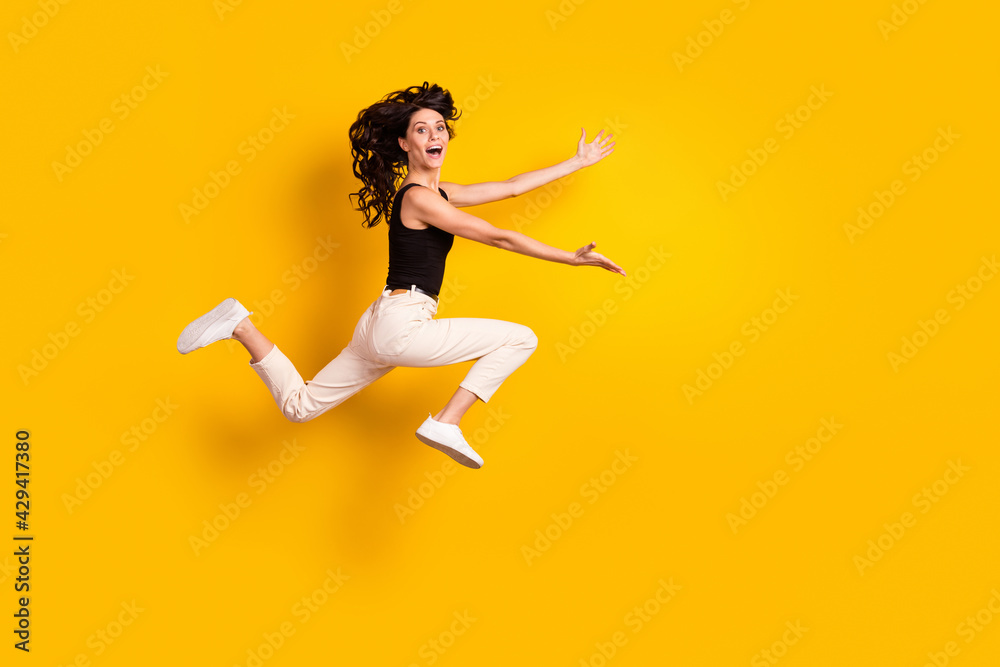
pixel 597 259
pixel 586 257
pixel 597 149
pixel 617 269
pixel 611 266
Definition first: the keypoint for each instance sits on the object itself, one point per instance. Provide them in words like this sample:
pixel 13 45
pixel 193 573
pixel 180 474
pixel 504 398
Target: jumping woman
pixel 412 128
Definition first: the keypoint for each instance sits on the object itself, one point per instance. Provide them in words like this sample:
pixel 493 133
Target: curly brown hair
pixel 378 158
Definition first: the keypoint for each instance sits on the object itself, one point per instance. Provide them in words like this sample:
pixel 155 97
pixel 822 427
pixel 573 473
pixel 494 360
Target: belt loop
pixel 412 287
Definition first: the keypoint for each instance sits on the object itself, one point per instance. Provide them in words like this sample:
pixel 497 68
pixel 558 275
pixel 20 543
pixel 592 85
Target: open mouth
pixel 434 151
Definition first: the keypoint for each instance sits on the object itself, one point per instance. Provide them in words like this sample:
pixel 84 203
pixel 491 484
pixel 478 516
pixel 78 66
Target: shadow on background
pixel 387 456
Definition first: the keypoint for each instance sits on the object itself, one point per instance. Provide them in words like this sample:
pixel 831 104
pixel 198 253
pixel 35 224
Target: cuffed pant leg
pixel 490 370
pixel 301 401
pixel 499 347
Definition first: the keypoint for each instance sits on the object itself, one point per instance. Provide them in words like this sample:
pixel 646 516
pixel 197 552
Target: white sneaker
pixel 448 438
pixel 215 325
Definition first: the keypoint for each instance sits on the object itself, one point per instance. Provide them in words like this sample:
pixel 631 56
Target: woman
pixel 412 128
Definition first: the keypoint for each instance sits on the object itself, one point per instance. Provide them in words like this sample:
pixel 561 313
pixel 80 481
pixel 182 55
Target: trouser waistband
pixel 413 288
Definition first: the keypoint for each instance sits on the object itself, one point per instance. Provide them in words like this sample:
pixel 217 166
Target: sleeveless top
pixel 416 256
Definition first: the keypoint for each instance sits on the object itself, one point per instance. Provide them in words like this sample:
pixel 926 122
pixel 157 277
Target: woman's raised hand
pixel 586 256
pixel 597 149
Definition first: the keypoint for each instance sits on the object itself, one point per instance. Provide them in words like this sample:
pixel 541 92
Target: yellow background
pixel 528 75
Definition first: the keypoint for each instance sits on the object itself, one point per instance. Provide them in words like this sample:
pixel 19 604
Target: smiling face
pixel 426 140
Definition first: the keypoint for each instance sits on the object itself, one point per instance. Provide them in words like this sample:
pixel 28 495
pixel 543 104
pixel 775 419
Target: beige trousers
pixel 400 330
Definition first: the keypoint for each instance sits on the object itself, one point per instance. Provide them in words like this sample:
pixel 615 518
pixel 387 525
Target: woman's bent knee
pixel 529 339
pixel 295 412
pixel 296 416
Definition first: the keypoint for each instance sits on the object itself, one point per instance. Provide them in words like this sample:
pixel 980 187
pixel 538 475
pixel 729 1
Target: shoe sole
pixel 189 338
pixel 453 453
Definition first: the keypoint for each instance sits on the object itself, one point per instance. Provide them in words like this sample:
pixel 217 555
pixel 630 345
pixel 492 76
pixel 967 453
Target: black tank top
pixel 416 256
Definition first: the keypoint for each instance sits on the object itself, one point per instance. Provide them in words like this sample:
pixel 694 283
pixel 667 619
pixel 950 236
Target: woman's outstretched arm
pixel 586 155
pixel 431 209
pixel 525 245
